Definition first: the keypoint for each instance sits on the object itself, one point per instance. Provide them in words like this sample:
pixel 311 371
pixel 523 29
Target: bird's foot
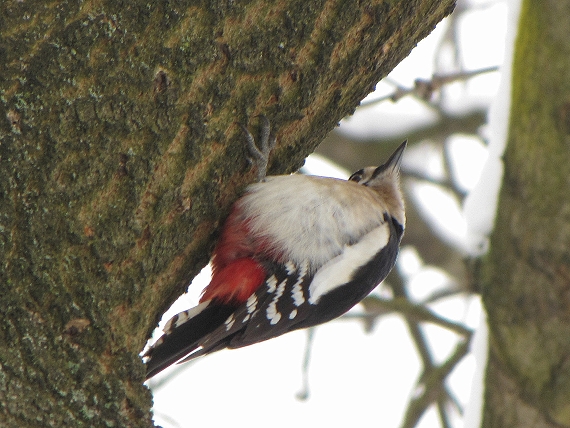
pixel 260 153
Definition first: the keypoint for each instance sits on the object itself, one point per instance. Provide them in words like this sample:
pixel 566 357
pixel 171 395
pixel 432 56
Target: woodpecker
pixel 296 251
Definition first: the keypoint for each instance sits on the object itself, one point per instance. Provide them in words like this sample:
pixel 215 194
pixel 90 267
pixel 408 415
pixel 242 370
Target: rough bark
pixel 119 155
pixel 526 286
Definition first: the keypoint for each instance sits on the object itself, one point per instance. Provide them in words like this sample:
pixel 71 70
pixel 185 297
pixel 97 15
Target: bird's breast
pixel 311 219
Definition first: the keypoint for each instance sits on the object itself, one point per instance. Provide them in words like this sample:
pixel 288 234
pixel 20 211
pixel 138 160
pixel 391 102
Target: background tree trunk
pixel 526 281
pixel 119 155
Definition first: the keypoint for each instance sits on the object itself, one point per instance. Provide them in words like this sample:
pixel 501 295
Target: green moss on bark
pixel 526 290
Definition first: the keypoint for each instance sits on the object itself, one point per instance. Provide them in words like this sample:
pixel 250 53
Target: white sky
pixel 360 378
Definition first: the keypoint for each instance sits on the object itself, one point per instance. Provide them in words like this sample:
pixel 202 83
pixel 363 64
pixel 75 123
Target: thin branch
pixel 173 422
pixel 443 417
pixel 432 380
pixel 445 183
pixel 451 38
pixel 432 385
pixel 423 89
pixel 304 393
pixel 412 312
pixel 442 293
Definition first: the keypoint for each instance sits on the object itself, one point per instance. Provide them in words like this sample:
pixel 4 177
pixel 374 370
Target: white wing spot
pixel 271 284
pixel 246 318
pixel 293 314
pixel 179 319
pixel 251 303
pixel 290 266
pixel 230 322
pixel 159 342
pixel 297 290
pixel 272 314
pixel 182 318
pixel 170 325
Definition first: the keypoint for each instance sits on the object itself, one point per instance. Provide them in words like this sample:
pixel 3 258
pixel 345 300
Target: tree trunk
pixel 120 153
pixel 526 284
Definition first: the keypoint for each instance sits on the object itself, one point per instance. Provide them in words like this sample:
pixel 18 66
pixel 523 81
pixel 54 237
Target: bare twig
pixel 444 183
pixel 443 418
pixel 412 312
pixel 424 89
pixel 431 384
pixel 304 393
pixel 451 38
pixel 442 293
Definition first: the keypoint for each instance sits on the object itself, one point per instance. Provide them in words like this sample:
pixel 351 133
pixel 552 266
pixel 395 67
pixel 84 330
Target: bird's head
pixel 385 180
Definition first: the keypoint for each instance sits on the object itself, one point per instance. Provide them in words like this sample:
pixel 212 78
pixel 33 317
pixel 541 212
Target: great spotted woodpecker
pixel 296 251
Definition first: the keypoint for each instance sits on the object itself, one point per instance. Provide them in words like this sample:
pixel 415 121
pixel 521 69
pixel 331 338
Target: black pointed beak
pixel 393 164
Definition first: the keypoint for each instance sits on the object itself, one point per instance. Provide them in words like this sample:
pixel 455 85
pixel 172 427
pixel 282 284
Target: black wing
pixel 282 303
pixel 274 309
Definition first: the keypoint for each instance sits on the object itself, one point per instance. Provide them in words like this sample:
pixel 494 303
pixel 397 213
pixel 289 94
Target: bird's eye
pixel 357 176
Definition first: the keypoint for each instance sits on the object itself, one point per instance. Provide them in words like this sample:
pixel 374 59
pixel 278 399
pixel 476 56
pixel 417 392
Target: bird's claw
pixel 260 153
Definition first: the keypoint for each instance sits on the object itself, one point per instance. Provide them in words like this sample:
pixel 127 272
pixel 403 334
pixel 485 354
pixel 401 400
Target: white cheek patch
pixel 339 270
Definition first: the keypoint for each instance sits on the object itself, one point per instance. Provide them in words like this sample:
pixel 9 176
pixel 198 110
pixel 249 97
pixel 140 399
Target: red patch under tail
pixel 235 282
